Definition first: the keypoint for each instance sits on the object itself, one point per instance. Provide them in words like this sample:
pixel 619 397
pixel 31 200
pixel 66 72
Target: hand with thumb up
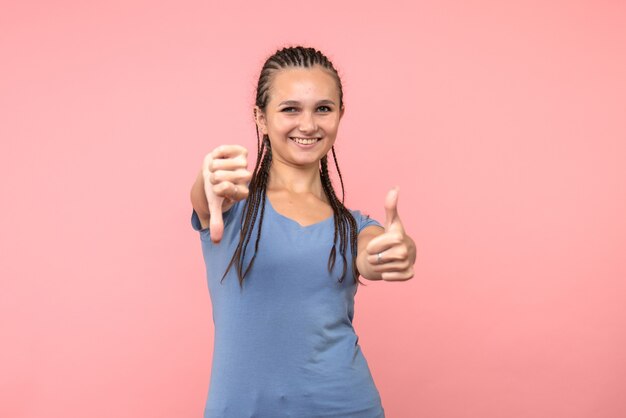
pixel 225 176
pixel 392 254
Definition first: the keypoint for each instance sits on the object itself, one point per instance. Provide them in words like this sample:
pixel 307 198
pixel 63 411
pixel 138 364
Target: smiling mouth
pixel 304 141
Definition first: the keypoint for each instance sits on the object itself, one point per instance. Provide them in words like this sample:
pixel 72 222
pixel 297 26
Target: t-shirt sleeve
pixel 226 216
pixel 195 221
pixel 364 220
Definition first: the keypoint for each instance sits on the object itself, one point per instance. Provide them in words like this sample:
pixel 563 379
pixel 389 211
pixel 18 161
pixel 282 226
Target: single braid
pixel 258 184
pixel 342 217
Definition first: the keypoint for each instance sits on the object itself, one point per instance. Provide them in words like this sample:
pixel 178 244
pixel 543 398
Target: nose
pixel 307 123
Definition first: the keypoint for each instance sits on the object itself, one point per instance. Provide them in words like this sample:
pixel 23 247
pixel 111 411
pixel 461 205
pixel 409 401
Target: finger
pixel 238 176
pixel 397 266
pixel 237 192
pixel 240 192
pixel 229 151
pixel 223 152
pixel 391 207
pixel 384 242
pixel 397 276
pixel 231 163
pixel 232 191
pixel 393 254
pixel 216 222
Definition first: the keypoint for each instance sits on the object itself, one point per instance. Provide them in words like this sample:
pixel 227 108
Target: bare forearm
pixel 198 197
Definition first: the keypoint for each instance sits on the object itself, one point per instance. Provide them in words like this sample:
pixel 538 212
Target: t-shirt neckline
pixel 280 215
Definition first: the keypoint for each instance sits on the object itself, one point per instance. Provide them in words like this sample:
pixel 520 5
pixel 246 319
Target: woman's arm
pixel 198 197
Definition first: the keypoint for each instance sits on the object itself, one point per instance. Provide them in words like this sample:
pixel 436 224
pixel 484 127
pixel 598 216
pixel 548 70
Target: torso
pixel 292 312
pixel 303 209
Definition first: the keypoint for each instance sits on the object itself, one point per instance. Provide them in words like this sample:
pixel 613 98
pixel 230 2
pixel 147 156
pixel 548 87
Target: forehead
pixel 303 84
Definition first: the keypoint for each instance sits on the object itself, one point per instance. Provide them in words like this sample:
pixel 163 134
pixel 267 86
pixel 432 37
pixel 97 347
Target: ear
pixel 259 118
pixel 341 112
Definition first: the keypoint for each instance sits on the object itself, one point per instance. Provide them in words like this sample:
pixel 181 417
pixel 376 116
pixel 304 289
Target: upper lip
pixel 306 137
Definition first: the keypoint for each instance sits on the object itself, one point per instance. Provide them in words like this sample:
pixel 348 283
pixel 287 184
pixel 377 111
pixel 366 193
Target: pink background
pixel 502 123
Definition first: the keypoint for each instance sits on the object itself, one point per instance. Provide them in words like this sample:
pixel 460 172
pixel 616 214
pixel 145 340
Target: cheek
pixel 329 128
pixel 281 127
pixel 332 124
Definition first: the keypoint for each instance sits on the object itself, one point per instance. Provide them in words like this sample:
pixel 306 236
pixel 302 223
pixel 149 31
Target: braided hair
pixel 291 57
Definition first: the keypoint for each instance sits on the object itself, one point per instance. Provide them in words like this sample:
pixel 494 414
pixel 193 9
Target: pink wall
pixel 502 124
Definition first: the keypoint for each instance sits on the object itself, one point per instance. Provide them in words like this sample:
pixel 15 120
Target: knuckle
pixel 222 187
pixel 218 176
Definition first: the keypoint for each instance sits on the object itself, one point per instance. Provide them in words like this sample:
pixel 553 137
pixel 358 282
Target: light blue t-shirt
pixel 284 345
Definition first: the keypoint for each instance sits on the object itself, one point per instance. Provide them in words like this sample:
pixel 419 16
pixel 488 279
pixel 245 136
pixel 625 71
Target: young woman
pixel 284 341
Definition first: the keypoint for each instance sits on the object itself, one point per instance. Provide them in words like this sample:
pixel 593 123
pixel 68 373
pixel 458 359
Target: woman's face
pixel 303 105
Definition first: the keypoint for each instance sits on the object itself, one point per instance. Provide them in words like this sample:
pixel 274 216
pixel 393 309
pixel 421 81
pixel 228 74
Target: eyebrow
pixel 296 103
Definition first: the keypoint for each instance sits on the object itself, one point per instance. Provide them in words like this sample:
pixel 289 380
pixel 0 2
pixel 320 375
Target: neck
pixel 299 180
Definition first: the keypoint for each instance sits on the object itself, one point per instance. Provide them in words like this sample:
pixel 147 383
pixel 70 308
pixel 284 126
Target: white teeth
pixel 304 141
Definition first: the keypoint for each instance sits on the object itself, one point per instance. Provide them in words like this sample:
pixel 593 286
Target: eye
pixel 326 107
pixel 287 109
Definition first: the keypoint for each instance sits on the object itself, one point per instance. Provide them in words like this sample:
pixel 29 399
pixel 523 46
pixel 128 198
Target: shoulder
pixel 368 228
pixel 230 213
pixel 365 221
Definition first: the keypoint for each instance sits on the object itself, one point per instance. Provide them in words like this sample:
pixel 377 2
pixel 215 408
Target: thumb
pixel 391 207
pixel 216 222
